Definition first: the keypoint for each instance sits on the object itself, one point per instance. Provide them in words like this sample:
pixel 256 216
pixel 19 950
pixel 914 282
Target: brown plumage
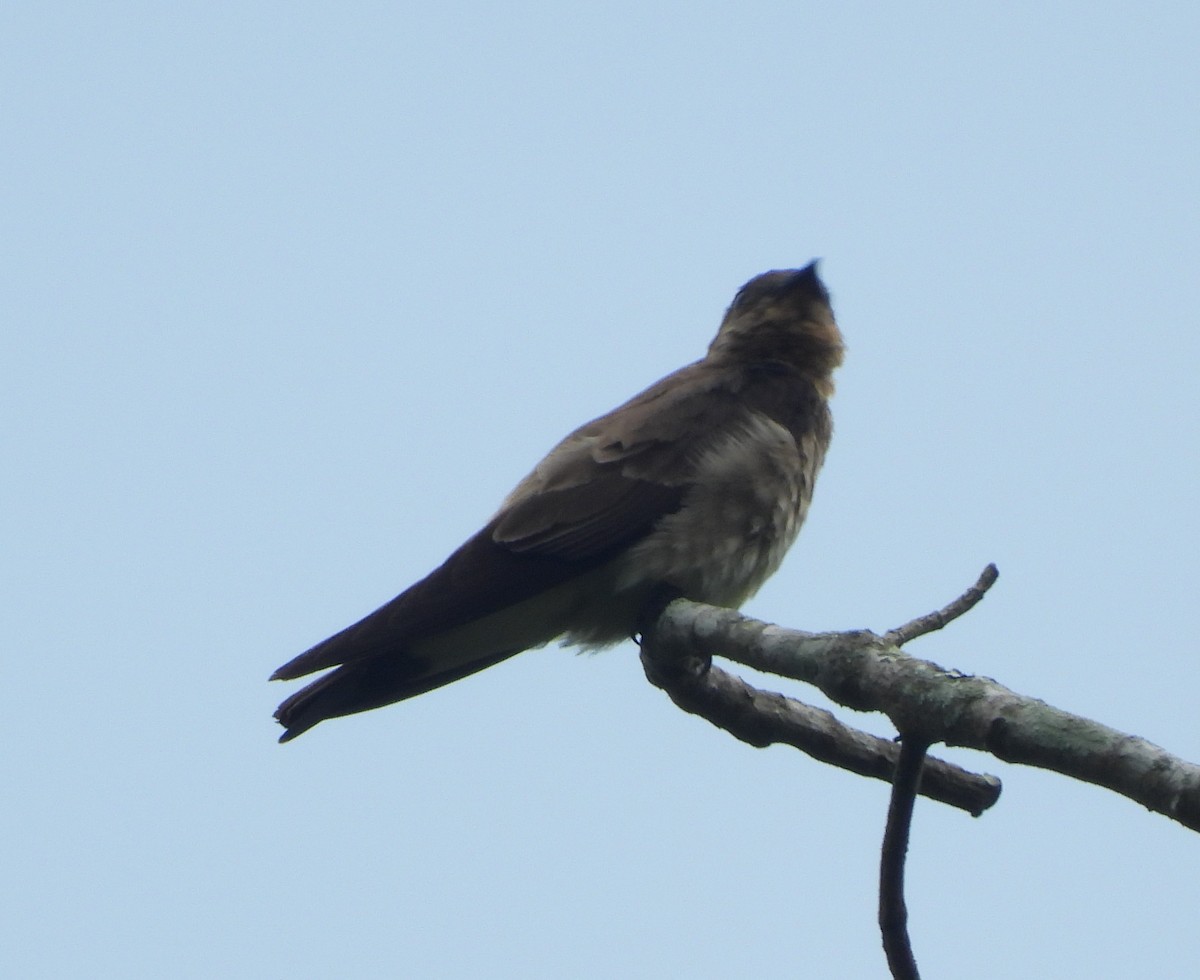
pixel 699 484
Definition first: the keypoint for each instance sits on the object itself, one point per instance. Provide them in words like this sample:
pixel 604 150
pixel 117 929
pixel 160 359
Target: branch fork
pixel 927 703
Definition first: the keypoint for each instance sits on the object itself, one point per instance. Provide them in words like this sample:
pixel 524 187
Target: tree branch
pixel 763 718
pixel 867 672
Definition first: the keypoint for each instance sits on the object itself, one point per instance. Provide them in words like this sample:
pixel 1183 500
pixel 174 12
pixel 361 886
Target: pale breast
pixel 751 492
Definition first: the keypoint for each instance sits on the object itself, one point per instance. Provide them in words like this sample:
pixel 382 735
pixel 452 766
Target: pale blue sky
pixel 294 293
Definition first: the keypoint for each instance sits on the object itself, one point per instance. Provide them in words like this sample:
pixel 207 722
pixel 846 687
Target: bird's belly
pixel 743 512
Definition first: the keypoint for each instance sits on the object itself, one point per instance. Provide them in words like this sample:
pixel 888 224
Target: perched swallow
pixel 699 484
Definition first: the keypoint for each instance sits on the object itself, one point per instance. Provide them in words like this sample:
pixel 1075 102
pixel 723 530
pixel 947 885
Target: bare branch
pixel 864 671
pixel 762 718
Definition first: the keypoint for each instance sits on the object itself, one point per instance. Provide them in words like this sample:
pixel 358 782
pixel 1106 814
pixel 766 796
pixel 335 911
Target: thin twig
pixel 936 620
pixel 893 912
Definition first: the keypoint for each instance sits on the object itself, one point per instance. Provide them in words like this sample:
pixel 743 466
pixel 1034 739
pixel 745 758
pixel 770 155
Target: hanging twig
pixel 893 911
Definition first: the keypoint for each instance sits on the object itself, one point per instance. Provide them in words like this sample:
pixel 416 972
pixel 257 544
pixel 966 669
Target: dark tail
pixel 363 685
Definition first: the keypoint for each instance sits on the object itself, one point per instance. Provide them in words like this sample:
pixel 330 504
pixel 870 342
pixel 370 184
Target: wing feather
pixel 602 489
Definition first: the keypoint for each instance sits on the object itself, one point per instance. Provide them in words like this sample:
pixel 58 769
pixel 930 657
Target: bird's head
pixel 783 318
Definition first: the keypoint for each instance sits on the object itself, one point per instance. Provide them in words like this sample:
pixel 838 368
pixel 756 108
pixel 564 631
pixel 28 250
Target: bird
pixel 697 485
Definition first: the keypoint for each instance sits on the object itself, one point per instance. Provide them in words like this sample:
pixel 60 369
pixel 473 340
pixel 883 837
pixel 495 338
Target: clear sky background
pixel 292 294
